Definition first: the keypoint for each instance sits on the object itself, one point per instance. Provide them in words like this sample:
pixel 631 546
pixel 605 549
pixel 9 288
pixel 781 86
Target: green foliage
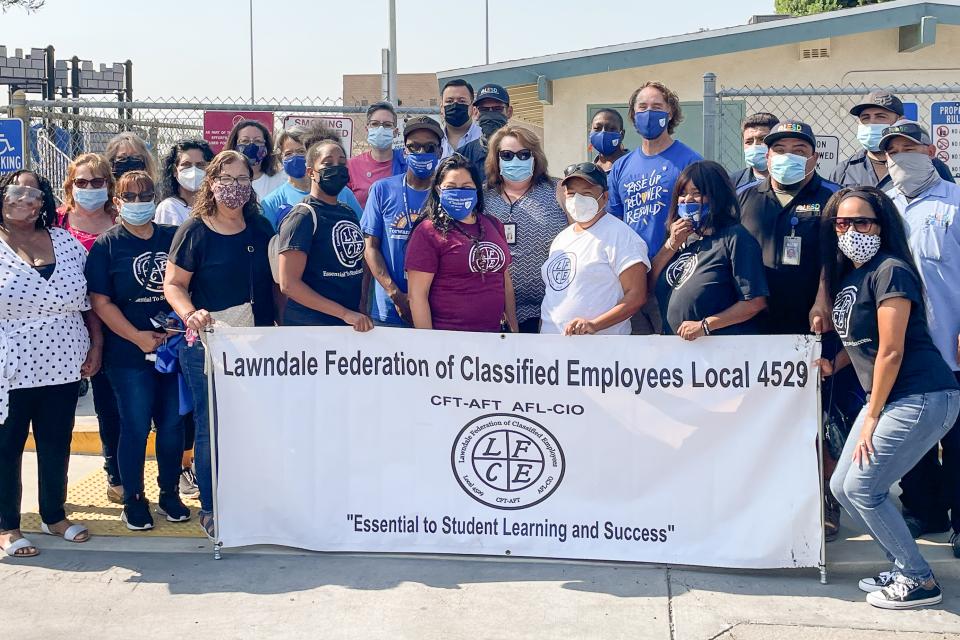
pixel 809 7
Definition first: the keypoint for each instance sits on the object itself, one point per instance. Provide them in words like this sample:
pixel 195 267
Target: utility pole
pixel 252 93
pixel 392 75
pixel 486 5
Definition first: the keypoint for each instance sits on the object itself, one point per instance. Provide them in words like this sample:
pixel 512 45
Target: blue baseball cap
pixel 493 92
pixel 791 129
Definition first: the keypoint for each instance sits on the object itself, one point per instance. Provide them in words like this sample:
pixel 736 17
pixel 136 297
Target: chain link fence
pixel 827 110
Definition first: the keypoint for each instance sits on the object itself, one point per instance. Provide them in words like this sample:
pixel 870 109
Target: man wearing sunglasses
pixel 393 205
pixel 492 110
pixel 929 206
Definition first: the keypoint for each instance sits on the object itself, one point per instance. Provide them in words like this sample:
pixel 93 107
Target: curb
pixel 86 439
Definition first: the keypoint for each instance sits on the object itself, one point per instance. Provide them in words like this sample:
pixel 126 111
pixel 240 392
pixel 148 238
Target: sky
pixel 201 48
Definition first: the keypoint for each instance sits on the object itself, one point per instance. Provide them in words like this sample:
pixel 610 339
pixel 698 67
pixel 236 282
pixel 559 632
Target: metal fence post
pixel 711 116
pixel 18 109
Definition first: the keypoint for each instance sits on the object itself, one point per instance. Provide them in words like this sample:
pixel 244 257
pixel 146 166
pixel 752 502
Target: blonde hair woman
pixel 128 152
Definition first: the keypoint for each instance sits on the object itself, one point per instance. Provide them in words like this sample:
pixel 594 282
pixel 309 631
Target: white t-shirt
pixel 582 273
pixel 264 185
pixel 172 211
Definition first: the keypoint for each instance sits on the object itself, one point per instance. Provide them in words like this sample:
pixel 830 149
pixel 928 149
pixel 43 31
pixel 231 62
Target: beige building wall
pixel 870 59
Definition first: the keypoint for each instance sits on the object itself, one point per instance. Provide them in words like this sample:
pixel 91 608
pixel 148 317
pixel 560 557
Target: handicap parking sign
pixel 11 145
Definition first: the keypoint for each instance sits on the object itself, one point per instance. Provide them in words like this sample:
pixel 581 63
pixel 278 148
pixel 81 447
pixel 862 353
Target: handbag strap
pixel 248 237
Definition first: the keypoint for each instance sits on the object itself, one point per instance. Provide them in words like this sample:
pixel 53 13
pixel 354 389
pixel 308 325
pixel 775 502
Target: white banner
pixel 633 448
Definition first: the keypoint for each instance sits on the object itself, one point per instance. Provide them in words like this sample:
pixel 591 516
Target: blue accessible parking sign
pixel 11 145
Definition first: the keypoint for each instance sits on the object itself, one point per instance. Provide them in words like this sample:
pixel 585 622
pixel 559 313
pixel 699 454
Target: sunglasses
pixel 523 154
pixel 143 196
pixel 13 193
pixel 861 225
pixel 430 147
pixel 581 167
pixel 83 183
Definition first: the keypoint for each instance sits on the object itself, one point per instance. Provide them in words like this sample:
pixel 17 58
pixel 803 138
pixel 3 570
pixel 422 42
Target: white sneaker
pixel 905 593
pixel 884 579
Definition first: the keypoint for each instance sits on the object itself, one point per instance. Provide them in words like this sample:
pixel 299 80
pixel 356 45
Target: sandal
pixel 207 524
pixel 20 544
pixel 73 532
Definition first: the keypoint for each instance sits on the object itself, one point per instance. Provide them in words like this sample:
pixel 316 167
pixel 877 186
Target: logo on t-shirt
pixel 402 225
pixel 843 309
pixel 487 257
pixel 149 273
pixel 645 197
pixel 561 270
pixel 681 270
pixel 348 243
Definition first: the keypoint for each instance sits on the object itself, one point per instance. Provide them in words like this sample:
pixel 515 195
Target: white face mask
pixel 859 247
pixel 582 208
pixel 191 179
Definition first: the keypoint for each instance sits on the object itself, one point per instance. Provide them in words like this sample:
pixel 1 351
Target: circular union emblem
pixel 561 270
pixel 486 257
pixel 149 273
pixel 348 243
pixel 507 461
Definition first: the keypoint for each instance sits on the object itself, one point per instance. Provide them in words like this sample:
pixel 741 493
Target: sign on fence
pixel 604 447
pixel 11 145
pixel 341 125
pixel 217 125
pixel 829 149
pixel 945 122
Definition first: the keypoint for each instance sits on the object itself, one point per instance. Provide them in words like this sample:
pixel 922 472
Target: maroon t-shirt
pixel 467 292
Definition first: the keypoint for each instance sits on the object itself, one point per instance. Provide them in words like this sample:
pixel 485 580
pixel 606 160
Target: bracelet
pixel 705 327
pixel 669 244
pixel 187 317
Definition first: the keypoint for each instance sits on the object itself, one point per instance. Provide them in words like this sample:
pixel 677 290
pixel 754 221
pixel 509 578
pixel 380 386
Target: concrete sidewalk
pixel 166 588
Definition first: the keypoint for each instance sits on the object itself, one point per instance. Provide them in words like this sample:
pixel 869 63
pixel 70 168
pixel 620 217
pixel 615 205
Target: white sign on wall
pixel 829 149
pixel 340 124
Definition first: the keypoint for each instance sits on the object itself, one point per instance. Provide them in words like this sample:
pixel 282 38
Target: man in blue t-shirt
pixel 641 182
pixel 393 205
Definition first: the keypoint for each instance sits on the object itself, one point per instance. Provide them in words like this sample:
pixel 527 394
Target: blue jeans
pixel 108 418
pixel 191 364
pixel 145 395
pixel 907 428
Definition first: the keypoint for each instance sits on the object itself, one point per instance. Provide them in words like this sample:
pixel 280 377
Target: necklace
pixel 476 262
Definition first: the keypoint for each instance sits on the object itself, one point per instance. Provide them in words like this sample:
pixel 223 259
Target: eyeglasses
pixel 15 193
pixel 523 154
pixel 500 108
pixel 581 167
pixel 229 180
pixel 376 123
pixel 83 183
pixel 861 225
pixel 143 196
pixel 416 147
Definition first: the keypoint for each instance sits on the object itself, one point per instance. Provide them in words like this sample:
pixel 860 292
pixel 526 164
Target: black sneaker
pixel 188 483
pixel 920 527
pixel 170 506
pixel 955 543
pixel 136 515
pixel 905 593
pixel 883 579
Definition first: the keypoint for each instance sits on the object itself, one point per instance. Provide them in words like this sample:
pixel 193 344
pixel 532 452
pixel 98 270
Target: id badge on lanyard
pixel 510 232
pixel 791 245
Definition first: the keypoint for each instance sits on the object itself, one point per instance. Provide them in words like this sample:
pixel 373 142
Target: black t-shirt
pixel 793 287
pixel 130 270
pixel 226 269
pixel 922 369
pixel 334 258
pixel 710 275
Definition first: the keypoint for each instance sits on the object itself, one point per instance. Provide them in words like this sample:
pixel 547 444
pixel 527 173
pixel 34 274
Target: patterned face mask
pixel 232 196
pixel 859 247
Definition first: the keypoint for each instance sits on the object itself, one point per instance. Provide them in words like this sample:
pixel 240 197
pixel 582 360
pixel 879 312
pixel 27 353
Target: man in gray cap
pixel 930 207
pixel 868 167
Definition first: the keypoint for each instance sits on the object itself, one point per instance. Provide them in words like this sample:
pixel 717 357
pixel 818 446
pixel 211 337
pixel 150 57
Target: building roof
pixel 887 15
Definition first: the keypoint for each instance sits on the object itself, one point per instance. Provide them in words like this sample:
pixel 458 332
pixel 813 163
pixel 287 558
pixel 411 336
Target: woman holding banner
pixel 709 276
pixel 218 270
pixel 914 398
pixel 457 258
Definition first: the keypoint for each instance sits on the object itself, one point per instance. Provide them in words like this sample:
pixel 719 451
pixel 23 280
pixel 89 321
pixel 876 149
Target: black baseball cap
pixel 494 92
pixel 415 123
pixel 588 171
pixel 882 99
pixel 907 129
pixel 791 129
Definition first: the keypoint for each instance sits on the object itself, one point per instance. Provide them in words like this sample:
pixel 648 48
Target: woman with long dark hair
pixel 184 168
pixel 254 141
pixel 709 276
pixel 914 398
pixel 457 257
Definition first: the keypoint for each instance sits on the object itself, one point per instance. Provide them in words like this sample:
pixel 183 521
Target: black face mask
pixel 490 122
pixel 333 179
pixel 121 167
pixel 456 114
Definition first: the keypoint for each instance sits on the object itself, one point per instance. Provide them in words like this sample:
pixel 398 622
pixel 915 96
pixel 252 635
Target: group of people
pixel 462 227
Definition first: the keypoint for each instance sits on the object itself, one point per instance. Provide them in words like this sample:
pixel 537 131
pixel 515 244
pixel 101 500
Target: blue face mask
pixel 755 156
pixel 606 142
pixel 295 166
pixel 868 135
pixel 458 203
pixel 788 168
pixel 516 170
pixel 651 124
pixel 695 212
pixel 380 137
pixel 90 199
pixel 422 164
pixel 138 213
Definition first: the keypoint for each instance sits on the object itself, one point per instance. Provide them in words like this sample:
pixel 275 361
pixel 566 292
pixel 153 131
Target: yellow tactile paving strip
pixel 87 504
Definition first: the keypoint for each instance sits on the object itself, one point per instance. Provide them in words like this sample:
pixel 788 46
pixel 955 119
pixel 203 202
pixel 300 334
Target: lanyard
pixel 406 205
